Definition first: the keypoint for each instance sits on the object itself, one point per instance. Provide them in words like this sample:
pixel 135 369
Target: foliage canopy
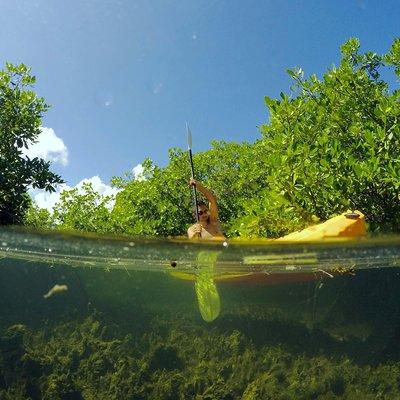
pixel 336 143
pixel 20 120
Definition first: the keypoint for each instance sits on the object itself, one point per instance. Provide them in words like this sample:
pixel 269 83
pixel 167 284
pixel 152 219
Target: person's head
pixel 202 210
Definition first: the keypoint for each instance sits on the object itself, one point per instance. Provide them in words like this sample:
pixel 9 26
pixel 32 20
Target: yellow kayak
pixel 347 226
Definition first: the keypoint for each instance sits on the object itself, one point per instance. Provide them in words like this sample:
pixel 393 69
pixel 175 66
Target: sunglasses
pixel 201 212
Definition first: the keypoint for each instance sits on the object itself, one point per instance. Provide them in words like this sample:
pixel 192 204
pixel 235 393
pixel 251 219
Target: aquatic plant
pixel 173 358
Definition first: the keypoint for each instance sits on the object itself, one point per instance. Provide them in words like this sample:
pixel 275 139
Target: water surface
pixel 89 317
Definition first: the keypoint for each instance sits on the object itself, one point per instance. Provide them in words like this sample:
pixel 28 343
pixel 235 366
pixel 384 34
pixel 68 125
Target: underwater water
pixel 89 317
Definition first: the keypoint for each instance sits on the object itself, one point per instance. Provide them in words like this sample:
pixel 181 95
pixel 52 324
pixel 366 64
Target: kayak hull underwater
pixel 347 227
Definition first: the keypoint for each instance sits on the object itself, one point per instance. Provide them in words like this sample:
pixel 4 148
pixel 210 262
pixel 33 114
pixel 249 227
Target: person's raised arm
pixel 213 207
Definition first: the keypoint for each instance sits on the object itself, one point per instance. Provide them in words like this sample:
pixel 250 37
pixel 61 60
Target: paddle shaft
pixel 194 191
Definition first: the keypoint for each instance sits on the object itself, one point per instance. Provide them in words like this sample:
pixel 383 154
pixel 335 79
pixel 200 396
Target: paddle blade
pixel 206 290
pixel 189 136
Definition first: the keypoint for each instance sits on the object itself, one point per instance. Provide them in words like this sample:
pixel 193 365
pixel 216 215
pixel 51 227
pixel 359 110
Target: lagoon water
pixel 94 317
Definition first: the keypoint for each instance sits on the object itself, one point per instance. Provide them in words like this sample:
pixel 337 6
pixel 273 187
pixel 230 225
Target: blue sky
pixel 124 76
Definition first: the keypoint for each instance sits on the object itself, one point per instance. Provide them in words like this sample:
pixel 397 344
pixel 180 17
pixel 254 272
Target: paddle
pixel 194 191
pixel 206 290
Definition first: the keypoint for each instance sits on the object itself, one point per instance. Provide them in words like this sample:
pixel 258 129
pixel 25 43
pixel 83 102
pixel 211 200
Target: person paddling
pixel 208 226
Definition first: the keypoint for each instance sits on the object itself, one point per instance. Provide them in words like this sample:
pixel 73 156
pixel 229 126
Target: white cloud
pixel 48 200
pixel 52 148
pixel 138 172
pixel 45 199
pixel 49 147
pixel 98 186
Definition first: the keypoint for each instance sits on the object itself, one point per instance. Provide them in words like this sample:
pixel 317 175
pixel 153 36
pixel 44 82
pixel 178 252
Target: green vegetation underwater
pixel 96 317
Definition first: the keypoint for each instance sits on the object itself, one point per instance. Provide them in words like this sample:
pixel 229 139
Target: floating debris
pixel 56 289
pixel 327 273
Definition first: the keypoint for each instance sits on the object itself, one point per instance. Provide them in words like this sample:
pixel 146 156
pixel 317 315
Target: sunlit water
pixel 128 318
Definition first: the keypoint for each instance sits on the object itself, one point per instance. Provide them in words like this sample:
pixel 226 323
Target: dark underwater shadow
pixel 325 322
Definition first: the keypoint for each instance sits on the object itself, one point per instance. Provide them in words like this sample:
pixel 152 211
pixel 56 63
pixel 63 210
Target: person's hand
pixel 197 228
pixel 192 182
